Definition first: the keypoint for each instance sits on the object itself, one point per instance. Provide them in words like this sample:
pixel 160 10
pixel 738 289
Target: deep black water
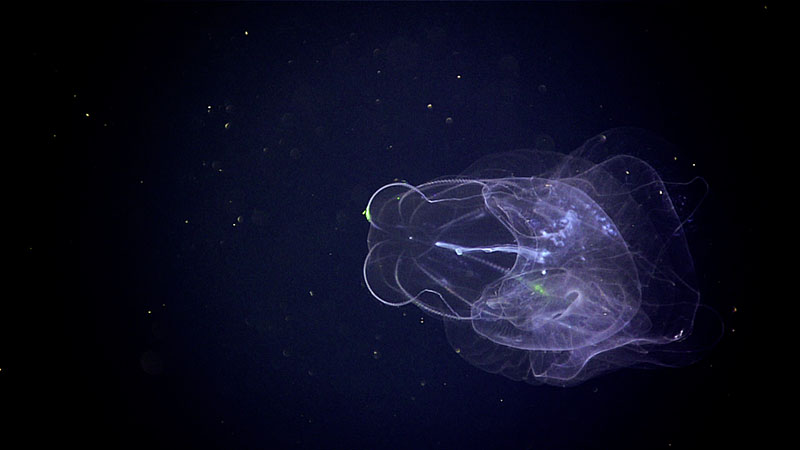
pixel 190 251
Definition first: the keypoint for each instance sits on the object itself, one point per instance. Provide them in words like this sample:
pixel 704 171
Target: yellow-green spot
pixel 367 215
pixel 533 286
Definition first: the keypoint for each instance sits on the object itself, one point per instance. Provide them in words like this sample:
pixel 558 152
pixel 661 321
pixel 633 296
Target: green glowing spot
pixel 533 285
pixel 367 215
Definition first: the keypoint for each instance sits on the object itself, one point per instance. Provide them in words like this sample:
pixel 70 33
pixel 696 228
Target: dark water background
pixel 186 203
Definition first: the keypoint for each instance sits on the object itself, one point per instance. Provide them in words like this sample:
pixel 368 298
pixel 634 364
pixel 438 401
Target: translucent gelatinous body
pixel 545 267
